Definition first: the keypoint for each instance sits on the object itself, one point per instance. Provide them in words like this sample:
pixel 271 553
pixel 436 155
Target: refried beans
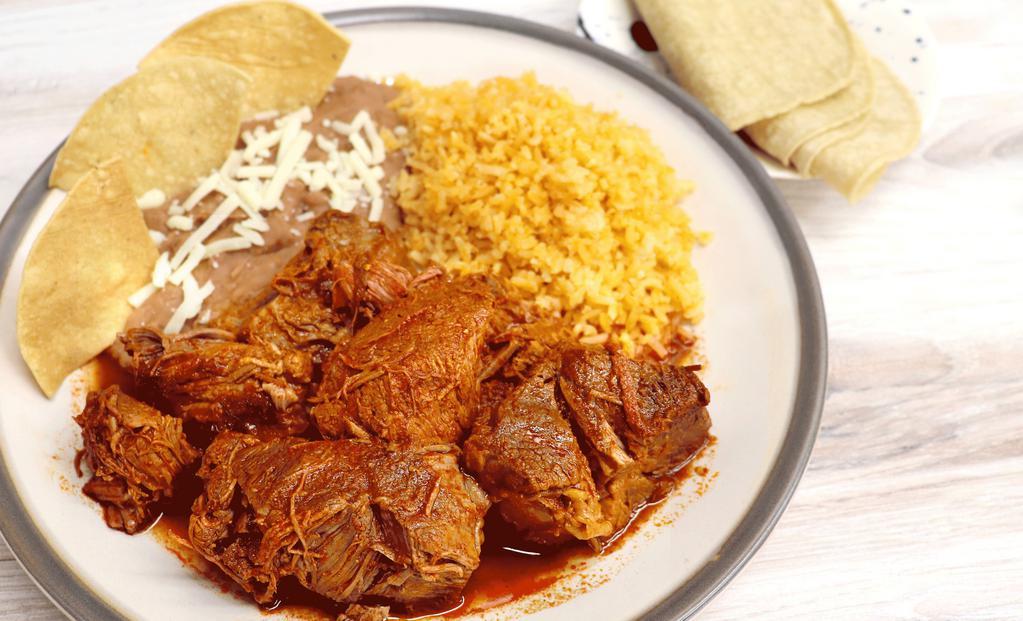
pixel 241 277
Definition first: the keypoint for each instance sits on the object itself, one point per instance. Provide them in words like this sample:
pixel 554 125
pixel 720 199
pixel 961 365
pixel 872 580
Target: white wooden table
pixel 912 507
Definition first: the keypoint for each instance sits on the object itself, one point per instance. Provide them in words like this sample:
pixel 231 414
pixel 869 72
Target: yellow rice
pixel 574 209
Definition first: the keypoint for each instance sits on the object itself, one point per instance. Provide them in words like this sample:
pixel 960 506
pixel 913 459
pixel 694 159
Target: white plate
pixel 763 335
pixel 892 31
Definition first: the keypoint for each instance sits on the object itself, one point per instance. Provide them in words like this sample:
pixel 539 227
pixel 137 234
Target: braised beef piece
pixel 637 420
pixel 208 377
pixel 520 340
pixel 299 322
pixel 578 447
pixel 347 268
pixel 135 452
pixel 525 455
pixel 357 266
pixel 627 410
pixel 347 518
pixel 411 375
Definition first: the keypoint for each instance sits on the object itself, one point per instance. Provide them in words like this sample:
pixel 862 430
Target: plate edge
pixel 45 566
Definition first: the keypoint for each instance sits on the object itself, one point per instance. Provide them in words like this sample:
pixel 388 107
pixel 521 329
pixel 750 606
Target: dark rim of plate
pixel 70 593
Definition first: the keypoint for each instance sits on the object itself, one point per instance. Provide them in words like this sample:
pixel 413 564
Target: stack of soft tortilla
pixel 795 79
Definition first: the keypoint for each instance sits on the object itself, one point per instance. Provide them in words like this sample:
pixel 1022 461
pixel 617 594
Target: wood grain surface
pixel 913 502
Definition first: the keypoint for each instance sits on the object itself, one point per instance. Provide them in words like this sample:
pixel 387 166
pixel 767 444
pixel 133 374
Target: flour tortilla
pixel 170 123
pixel 93 253
pixel 780 136
pixel 853 165
pixel 749 60
pixel 291 53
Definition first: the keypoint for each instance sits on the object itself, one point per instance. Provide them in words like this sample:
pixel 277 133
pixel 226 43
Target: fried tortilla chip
pixel 292 53
pixel 93 253
pixel 749 60
pixel 170 123
pixel 853 165
pixel 780 136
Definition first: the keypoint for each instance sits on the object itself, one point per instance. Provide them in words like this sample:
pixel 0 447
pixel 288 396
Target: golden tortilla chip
pixel 854 165
pixel 292 53
pixel 93 253
pixel 170 123
pixel 749 60
pixel 780 136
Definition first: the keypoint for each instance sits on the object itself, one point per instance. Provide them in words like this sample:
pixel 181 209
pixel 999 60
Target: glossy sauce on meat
pixel 510 568
pixel 421 362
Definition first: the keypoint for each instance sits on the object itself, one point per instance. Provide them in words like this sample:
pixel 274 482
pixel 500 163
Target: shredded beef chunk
pixel 651 413
pixel 134 452
pixel 299 322
pixel 356 267
pixel 347 518
pixel 520 340
pixel 347 268
pixel 525 455
pixel 208 377
pixel 412 374
pixel 577 448
pixel 636 420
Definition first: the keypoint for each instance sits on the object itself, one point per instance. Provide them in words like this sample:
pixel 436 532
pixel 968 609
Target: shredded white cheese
pixel 252 179
pixel 228 244
pixel 254 238
pixel 161 271
pixel 151 199
pixel 325 144
pixel 360 146
pixel 139 297
pixel 361 119
pixel 285 165
pixel 231 164
pixel 198 253
pixel 362 171
pixel 191 304
pixel 181 223
pixel 206 186
pixel 250 193
pixel 256 224
pixel 264 171
pixel 376 143
pixel 342 128
pixel 205 229
pixel 376 210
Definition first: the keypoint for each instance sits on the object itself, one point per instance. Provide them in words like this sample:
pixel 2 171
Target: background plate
pixel 891 31
pixel 764 336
